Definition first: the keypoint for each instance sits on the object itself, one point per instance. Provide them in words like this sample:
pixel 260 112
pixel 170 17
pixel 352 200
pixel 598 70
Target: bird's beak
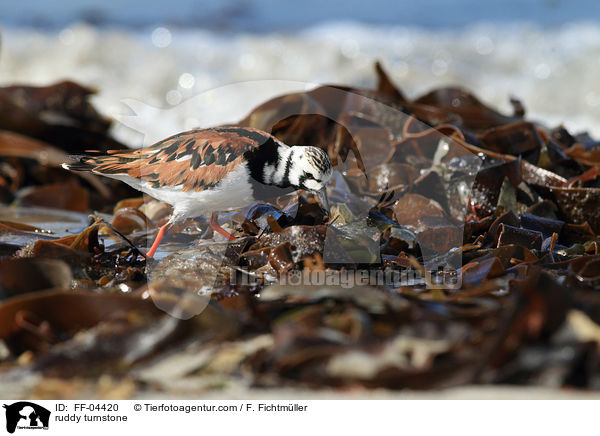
pixel 322 196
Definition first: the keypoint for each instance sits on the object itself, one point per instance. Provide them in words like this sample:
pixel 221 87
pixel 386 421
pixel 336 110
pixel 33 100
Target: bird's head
pixel 310 168
pixel 299 167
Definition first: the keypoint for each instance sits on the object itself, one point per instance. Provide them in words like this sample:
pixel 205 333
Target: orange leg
pixel 161 234
pixel 217 228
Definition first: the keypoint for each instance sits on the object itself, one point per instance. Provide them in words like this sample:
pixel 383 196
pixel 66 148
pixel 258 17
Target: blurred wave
pixel 545 52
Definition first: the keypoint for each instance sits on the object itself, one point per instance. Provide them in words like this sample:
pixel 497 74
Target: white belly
pixel 234 192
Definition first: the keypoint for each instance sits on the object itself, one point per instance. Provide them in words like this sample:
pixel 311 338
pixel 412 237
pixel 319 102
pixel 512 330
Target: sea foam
pixel 163 74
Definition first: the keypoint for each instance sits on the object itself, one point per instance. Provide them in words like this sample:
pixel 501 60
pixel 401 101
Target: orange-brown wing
pixel 194 160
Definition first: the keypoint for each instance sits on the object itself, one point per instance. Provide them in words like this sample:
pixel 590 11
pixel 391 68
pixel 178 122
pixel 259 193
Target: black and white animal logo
pixel 26 415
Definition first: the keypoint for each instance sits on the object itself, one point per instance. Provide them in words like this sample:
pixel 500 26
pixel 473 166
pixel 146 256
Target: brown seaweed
pixel 522 240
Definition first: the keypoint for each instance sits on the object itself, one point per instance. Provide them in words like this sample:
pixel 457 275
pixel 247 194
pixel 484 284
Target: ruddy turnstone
pixel 213 170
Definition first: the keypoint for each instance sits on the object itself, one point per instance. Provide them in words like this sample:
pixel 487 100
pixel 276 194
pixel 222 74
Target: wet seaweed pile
pixel 497 216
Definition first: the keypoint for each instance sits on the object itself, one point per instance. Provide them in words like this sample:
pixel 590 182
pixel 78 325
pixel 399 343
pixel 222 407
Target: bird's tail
pixel 78 162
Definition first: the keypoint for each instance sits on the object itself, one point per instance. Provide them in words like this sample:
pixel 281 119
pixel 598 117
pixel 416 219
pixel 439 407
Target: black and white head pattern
pixel 302 167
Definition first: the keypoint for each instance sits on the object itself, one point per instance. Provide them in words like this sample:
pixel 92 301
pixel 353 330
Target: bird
pixel 213 170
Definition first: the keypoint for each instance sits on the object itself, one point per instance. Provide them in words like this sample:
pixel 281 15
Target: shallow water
pixel 51 223
pixel 56 222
